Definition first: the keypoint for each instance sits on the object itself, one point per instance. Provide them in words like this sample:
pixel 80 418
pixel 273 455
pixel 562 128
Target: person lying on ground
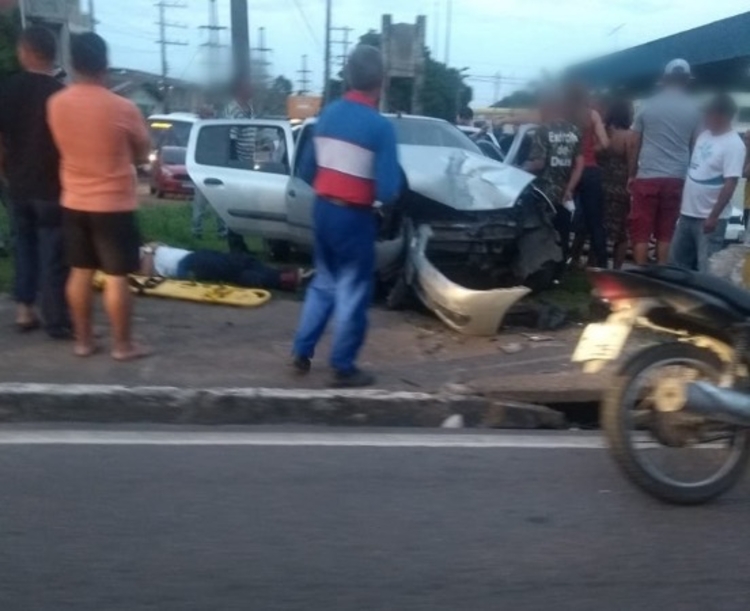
pixel 213 266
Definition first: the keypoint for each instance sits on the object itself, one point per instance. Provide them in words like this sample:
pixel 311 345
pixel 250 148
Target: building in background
pixel 144 90
pixel 63 18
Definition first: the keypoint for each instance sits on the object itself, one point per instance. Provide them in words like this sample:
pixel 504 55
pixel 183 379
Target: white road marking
pixel 308 439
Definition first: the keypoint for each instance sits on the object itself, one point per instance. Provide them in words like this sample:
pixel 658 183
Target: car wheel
pixel 152 190
pixel 279 250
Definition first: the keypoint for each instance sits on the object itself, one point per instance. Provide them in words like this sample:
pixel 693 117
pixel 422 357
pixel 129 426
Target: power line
pixel 164 42
pixel 306 21
pixel 213 46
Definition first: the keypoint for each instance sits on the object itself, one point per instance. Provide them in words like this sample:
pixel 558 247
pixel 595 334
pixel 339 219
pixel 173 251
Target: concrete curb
pixel 216 406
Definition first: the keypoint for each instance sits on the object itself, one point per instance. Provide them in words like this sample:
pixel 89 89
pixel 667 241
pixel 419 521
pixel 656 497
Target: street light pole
pixel 22 11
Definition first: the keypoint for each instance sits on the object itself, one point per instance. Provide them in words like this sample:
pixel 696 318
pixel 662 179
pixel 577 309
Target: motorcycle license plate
pixel 601 342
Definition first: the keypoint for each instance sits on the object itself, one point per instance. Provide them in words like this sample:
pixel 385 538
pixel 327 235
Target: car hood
pixel 174 168
pixel 461 179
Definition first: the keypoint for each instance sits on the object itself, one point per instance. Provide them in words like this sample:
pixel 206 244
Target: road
pixel 181 520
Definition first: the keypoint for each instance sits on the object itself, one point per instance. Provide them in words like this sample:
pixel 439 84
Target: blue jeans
pixel 343 283
pixel 232 268
pixel 40 266
pixel 590 209
pixel 692 247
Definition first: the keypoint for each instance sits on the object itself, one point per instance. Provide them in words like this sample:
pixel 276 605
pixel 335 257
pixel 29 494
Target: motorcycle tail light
pixel 610 288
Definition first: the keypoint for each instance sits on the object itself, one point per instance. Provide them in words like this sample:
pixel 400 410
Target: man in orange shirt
pixel 101 137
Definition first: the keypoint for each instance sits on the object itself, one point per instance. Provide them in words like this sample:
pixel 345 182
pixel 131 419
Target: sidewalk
pixel 213 347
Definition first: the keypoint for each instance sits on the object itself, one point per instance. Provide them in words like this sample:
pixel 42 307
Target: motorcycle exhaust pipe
pixel 722 404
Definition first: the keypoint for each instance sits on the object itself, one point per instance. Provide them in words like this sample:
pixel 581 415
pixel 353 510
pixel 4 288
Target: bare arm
pixel 575 177
pixel 725 196
pixel 634 152
pixel 602 138
pixel 140 140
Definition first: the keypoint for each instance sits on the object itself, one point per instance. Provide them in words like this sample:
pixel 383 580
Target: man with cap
pixel 352 165
pixel 665 129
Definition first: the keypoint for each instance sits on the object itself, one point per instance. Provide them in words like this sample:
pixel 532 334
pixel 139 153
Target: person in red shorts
pixel 664 132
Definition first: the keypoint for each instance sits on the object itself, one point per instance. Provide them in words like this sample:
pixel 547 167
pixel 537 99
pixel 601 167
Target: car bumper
pixel 467 311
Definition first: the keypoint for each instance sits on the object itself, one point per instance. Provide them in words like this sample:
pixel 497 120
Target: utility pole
pixel 262 51
pixel 327 68
pixel 304 79
pixel 261 65
pixel 344 42
pixel 92 16
pixel 448 32
pixel 240 37
pixel 164 42
pixel 213 45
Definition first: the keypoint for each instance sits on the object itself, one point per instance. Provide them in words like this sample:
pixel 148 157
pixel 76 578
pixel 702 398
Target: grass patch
pixel 573 294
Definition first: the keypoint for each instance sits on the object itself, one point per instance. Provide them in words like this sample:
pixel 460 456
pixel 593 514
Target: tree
pixel 523 98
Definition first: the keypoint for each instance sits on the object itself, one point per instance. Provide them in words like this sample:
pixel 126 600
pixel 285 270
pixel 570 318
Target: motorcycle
pixel 677 416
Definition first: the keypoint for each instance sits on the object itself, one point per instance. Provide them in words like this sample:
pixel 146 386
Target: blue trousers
pixel 40 268
pixel 343 283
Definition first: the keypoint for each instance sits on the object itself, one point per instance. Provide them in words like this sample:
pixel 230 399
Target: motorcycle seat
pixel 734 295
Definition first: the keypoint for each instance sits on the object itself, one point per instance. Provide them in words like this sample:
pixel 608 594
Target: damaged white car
pixel 469 235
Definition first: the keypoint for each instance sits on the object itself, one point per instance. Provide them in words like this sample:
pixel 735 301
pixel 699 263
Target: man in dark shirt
pixel 30 164
pixel 556 158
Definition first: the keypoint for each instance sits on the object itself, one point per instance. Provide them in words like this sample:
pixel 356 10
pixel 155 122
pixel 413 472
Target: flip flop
pixel 85 351
pixel 138 352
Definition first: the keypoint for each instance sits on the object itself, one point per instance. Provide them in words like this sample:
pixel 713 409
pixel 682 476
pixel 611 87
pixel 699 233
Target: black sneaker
pixel 352 379
pixel 301 365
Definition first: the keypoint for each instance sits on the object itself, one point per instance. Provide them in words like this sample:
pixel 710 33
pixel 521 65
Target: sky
pixel 515 39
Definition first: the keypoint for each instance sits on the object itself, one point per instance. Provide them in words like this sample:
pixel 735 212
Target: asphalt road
pixel 272 520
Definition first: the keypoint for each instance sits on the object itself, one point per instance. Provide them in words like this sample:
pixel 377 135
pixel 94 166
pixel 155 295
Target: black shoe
pixel 352 379
pixel 301 365
pixel 60 333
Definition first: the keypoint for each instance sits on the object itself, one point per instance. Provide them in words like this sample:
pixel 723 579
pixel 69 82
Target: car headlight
pixel 166 172
pixel 152 157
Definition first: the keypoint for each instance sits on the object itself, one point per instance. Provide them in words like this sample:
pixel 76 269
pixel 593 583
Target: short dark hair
pixel 41 41
pixel 466 114
pixel 365 69
pixel 723 105
pixel 88 54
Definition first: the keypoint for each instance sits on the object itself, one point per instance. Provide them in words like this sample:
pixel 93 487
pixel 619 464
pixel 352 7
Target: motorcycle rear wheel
pixel 617 415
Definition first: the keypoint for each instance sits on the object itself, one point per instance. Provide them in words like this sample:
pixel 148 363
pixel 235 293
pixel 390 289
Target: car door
pixel 300 195
pixel 243 168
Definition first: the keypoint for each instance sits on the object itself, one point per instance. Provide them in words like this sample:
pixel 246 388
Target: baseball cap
pixel 677 67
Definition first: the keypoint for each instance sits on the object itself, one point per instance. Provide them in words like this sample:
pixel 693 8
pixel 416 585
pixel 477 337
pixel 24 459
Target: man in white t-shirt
pixel 715 168
pixel 159 260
